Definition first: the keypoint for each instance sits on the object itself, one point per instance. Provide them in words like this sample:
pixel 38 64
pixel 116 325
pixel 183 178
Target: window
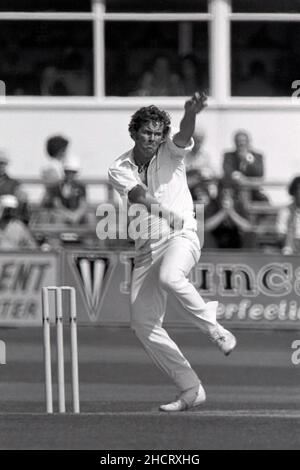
pixel 266 6
pixel 46 57
pixel 142 54
pixel 156 58
pixel 45 5
pixel 156 6
pixel 265 61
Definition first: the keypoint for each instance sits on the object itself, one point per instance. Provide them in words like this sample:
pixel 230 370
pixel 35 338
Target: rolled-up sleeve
pixel 178 152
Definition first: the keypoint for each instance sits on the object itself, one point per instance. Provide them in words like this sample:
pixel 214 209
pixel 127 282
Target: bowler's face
pixel 149 137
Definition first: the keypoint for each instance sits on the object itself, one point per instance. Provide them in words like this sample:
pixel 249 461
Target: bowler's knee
pixel 170 280
pixel 141 326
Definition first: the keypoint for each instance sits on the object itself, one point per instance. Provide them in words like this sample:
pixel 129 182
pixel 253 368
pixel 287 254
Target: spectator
pixel 69 196
pixel 288 221
pixel 53 83
pixel 13 233
pixel 8 185
pixel 194 182
pixel 227 222
pixel 190 75
pixel 13 187
pixel 200 187
pixel 198 159
pixel 53 171
pixel 160 81
pixel 198 168
pixel 257 83
pixel 244 161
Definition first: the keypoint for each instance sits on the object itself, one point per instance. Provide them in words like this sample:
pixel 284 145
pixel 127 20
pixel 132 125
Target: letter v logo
pixel 94 275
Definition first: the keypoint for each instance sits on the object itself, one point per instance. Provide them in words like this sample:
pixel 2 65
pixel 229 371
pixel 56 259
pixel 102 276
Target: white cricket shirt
pixel 166 181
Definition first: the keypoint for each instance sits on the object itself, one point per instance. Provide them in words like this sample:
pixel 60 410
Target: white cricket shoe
pixel 223 338
pixel 189 399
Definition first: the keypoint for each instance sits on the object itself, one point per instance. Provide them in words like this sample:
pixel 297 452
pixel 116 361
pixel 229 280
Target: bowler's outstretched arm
pixel 187 125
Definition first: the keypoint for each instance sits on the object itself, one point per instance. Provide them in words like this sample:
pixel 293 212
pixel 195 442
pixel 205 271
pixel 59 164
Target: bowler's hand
pixel 196 103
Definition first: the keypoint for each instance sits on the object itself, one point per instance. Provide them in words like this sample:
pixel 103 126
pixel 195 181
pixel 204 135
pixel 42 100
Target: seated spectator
pixel 8 185
pixel 12 186
pixel 227 222
pixel 53 171
pixel 198 158
pixel 14 234
pixel 202 188
pixel 56 147
pixel 69 196
pixel 53 83
pixel 257 82
pixel 199 171
pixel 194 182
pixel 288 221
pixel 190 75
pixel 244 161
pixel 160 81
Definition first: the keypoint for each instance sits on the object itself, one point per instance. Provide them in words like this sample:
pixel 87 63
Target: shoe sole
pixel 193 407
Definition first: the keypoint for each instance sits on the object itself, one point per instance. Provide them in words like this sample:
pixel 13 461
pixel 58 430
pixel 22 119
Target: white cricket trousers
pixel 166 273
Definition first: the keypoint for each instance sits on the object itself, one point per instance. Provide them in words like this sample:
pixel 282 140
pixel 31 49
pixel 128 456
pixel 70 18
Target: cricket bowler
pixel 152 175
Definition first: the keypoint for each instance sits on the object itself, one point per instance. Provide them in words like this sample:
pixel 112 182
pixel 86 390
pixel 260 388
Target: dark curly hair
pixel 148 114
pixel 55 144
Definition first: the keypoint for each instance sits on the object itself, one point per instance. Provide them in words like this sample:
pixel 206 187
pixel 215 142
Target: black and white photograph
pixel 149 228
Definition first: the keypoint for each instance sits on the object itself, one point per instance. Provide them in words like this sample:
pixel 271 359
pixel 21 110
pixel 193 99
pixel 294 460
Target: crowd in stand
pixel 229 221
pixel 167 76
pixel 163 79
pixel 64 201
pixel 226 200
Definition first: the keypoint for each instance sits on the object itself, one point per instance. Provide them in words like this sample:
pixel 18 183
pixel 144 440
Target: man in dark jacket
pixel 244 161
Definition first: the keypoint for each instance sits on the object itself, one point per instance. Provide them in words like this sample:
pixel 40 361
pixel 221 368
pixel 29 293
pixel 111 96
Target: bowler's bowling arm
pixel 139 195
pixel 192 107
